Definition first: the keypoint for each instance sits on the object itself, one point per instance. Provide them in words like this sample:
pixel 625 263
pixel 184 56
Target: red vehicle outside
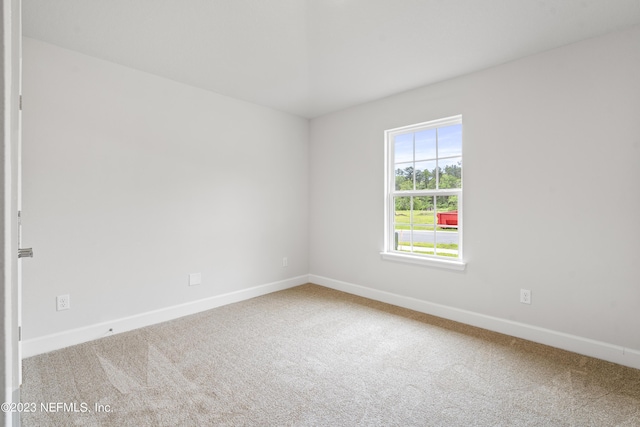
pixel 447 219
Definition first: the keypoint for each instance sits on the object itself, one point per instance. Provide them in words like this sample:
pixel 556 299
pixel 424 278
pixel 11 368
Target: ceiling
pixel 312 57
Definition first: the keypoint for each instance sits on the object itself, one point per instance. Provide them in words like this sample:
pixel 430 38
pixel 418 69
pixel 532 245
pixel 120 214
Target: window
pixel 423 217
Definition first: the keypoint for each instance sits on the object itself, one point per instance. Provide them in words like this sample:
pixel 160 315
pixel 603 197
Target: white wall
pixel 552 191
pixel 132 181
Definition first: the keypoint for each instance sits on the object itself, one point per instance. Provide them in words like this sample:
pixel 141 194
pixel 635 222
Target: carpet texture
pixel 315 356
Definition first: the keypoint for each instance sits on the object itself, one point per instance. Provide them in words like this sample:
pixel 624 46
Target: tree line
pixel 448 177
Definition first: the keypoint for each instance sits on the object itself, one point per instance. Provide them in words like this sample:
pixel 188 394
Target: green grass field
pixel 422 220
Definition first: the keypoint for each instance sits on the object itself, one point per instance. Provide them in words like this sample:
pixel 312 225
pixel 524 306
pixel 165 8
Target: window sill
pixel 429 262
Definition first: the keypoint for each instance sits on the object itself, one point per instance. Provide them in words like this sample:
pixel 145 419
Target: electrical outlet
pixel 525 296
pixel 285 262
pixel 63 302
pixel 195 279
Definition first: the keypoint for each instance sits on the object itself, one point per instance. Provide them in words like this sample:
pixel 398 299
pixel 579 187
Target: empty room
pixel 321 212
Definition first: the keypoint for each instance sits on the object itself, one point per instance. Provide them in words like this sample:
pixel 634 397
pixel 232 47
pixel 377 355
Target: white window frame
pixel 389 252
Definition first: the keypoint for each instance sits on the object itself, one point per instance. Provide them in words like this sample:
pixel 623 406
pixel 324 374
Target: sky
pixel 443 144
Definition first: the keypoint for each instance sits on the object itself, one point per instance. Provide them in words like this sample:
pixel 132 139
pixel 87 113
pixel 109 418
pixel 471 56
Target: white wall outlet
pixel 525 296
pixel 63 302
pixel 285 262
pixel 195 279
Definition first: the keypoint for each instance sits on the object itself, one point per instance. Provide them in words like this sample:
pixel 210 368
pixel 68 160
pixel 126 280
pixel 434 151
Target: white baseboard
pixel 576 344
pixel 60 340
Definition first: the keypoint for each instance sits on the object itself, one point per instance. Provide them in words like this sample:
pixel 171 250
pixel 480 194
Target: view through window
pixel 424 191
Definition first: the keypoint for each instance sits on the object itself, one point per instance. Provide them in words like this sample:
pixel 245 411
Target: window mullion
pixel 417 193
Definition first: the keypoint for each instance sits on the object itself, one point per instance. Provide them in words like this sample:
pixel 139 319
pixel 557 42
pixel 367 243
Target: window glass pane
pixel 423 238
pixel 450 141
pixel 402 224
pixel 402 213
pixel 423 228
pixel 403 148
pixel 421 241
pixel 426 144
pixel 403 240
pixel 423 210
pixel 425 177
pixel 447 236
pixel 404 177
pixel 450 173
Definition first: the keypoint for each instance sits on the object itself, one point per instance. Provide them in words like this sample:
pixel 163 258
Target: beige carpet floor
pixel 311 356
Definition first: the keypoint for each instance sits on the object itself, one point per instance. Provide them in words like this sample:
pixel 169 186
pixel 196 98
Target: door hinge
pixel 20 102
pixel 19 333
